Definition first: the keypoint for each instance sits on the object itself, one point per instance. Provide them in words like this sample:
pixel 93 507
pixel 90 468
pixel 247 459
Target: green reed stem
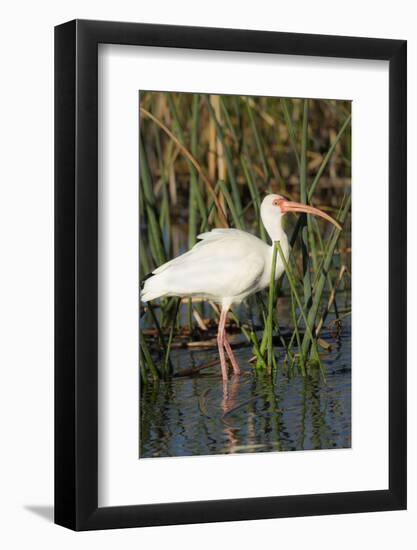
pixel 148 358
pixel 165 217
pixel 312 246
pixel 319 174
pixel 143 375
pixel 312 314
pixel 271 302
pixel 322 250
pixel 254 192
pixel 250 337
pixel 143 258
pixel 157 326
pixel 230 203
pixel 167 363
pixel 320 268
pixel 228 121
pixel 290 128
pixel 258 140
pixel 260 361
pixel 192 194
pixel 293 286
pixel 154 229
pixel 328 157
pixel 303 199
pixel 297 334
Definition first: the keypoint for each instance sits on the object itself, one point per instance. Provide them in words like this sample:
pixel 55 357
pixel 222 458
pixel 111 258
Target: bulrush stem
pixel 304 200
pixel 271 302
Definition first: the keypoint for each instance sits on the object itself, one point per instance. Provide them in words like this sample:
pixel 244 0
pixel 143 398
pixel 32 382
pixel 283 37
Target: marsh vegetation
pixel 207 162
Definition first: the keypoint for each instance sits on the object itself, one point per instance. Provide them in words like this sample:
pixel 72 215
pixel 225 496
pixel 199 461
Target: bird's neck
pixel 275 231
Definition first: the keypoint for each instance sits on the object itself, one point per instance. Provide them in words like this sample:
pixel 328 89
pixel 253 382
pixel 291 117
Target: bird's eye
pixel 275 202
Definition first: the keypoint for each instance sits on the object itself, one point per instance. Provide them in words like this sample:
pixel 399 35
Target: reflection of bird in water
pixel 228 265
pixel 228 404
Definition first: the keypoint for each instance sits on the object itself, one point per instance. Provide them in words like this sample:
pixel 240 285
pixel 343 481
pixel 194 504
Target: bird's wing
pixel 226 262
pixel 208 238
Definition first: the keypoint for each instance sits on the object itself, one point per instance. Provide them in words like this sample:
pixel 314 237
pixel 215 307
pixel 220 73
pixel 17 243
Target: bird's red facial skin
pixel 280 203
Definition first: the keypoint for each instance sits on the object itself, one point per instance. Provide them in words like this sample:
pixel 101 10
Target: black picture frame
pixel 76 271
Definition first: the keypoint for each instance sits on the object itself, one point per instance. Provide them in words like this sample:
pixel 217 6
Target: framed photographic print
pixel 230 275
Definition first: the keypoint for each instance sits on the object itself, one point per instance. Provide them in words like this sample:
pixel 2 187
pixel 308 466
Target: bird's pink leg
pixel 231 355
pixel 220 342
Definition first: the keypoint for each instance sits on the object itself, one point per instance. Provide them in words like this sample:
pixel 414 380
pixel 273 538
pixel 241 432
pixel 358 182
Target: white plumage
pixel 226 266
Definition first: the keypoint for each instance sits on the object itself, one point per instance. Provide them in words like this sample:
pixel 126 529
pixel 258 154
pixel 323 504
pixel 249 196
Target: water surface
pixel 198 415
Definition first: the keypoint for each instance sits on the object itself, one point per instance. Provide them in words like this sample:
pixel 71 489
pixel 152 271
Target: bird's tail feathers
pixel 152 289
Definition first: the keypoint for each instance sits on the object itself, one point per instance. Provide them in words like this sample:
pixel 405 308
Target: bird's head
pixel 273 207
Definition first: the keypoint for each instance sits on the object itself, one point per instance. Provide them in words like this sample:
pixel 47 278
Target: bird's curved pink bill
pixel 290 206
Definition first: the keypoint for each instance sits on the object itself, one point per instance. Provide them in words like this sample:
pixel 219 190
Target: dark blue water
pixel 198 415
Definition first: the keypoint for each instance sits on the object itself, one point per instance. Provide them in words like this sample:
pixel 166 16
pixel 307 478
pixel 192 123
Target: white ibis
pixel 227 265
